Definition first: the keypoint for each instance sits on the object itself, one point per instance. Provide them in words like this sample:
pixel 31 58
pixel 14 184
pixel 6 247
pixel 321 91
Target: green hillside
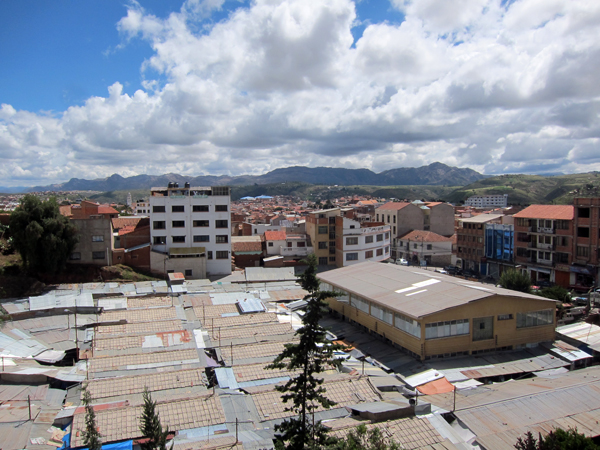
pixel 529 189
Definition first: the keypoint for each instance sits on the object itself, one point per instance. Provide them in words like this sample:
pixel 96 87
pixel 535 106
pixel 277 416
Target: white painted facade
pixel 487 201
pixel 360 243
pixel 194 218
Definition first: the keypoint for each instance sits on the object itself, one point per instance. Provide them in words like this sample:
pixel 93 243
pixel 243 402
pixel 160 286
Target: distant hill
pixel 436 174
pixel 531 189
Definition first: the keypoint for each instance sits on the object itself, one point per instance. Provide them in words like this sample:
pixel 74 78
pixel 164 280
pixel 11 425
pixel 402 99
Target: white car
pixel 441 271
pixel 403 262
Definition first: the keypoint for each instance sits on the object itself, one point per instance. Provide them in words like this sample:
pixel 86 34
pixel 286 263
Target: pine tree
pixel 150 425
pixel 309 357
pixel 91 436
pixel 361 438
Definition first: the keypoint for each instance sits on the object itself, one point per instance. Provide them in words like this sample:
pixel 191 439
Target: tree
pixel 362 439
pixel 557 439
pixel 515 280
pixel 91 436
pixel 556 293
pixel 150 425
pixel 309 357
pixel 42 235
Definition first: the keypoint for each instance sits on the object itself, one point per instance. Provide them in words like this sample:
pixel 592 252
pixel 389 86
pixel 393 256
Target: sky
pixel 197 87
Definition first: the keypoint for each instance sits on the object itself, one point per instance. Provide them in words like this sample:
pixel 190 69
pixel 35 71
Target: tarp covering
pixel 436 387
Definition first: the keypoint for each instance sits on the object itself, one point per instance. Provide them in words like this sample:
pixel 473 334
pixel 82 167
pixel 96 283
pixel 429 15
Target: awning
pixel 579 269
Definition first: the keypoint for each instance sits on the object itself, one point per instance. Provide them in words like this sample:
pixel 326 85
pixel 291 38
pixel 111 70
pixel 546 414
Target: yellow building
pixel 431 315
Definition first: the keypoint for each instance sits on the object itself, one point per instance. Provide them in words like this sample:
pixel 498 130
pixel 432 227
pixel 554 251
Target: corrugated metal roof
pixel 251 305
pixel 258 274
pixel 226 378
pixel 414 292
pixel 51 301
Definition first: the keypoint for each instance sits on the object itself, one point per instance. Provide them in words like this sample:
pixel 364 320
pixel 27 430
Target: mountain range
pixel 435 174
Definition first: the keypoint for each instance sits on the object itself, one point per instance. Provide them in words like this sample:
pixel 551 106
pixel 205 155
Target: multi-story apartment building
pixel 320 227
pixel 487 201
pixel 358 242
pixel 190 230
pixel 586 251
pixel 485 242
pixel 403 217
pixel 141 208
pixel 544 243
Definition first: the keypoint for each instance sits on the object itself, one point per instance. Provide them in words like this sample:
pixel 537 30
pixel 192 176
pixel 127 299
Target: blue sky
pixel 91 88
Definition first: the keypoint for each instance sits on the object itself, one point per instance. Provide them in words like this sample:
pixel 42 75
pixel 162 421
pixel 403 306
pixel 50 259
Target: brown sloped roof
pixel 555 212
pixel 394 205
pixel 424 236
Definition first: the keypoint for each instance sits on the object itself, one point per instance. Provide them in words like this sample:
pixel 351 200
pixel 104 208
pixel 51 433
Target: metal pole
pixel 29 405
pixel 363 369
pixel 219 336
pixel 76 339
pixel 236 430
pixel 232 353
pixel 454 403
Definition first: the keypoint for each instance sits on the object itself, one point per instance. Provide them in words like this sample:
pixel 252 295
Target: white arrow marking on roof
pixel 418 285
pixel 415 293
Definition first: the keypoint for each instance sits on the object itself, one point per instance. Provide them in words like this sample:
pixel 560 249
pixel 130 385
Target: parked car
pixel 441 271
pixel 453 270
pixel 403 262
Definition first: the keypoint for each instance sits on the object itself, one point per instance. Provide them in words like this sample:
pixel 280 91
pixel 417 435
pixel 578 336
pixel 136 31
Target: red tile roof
pixel 555 212
pixel 104 209
pixel 246 247
pixel 275 235
pixel 424 236
pixel 394 205
pixel 121 222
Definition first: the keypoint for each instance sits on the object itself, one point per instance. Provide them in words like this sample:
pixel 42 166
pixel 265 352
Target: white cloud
pixel 279 83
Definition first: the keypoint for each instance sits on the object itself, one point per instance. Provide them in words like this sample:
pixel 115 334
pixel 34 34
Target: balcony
pixel 295 251
pixel 545 230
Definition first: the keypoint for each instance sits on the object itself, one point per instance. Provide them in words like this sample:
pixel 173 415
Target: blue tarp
pixel 125 445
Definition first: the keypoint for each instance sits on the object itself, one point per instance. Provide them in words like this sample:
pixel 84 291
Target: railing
pixel 545 230
pixel 295 251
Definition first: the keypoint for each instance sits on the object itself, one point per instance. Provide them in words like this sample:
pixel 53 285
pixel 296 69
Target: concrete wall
pixel 87 229
pixel 441 219
pixel 161 263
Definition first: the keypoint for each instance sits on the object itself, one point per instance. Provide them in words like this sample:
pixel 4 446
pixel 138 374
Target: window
pixel 222 239
pixel 221 208
pixel 483 328
pixel 289 244
pixel 75 256
pixel 322 260
pixel 380 238
pixel 160 240
pixel 97 238
pixel 221 223
pixel 535 318
pixel 505 316
pixel 158 209
pixel 448 328
pixel 178 224
pixel 209 255
pixel 270 244
pixel 98 255
pixel 563 241
pixel 188 272
pixel 414 245
pixel 159 225
pixel 178 239
pixel 322 245
pixel 394 219
pixel 562 224
pixel 200 223
pixel 351 256
pixel 388 217
pixel 429 246
pixel 583 232
pixel 222 254
pixel 382 314
pixel 177 208
pixel 584 213
pixel 583 252
pixel 561 258
pixel 301 244
pixel 377 219
pixel 368 254
pixel 202 238
pixel 379 252
pixel 351 241
pixel 323 229
pixel 387 233
pixel 200 208
pixel 410 326
pixel 332 259
pixel 368 239
pixel 387 249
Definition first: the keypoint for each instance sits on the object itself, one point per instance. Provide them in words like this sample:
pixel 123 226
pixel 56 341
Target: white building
pixel 487 201
pixel 141 208
pixel 190 230
pixel 359 242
